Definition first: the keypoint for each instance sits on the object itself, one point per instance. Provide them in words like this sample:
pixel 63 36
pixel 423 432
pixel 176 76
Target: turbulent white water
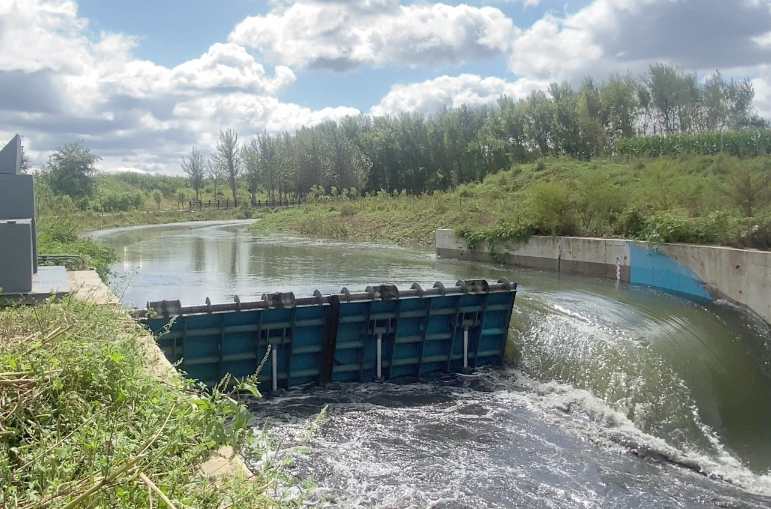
pixel 494 439
pixel 621 396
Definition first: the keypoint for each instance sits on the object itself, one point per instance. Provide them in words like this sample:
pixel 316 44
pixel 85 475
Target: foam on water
pixel 494 439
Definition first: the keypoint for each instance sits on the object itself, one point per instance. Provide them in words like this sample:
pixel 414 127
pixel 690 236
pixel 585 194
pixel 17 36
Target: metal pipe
pixel 379 357
pixel 465 347
pixel 274 364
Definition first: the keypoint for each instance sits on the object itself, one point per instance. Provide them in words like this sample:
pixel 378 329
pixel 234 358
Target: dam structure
pixel 379 334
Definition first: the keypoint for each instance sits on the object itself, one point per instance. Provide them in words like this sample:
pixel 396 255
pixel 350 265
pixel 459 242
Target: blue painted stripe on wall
pixel 651 267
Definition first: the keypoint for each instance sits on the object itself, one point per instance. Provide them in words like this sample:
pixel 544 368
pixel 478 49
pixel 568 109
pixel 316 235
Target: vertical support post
pixel 465 347
pixel 220 341
pixel 380 357
pixel 329 339
pixel 274 365
pixel 424 333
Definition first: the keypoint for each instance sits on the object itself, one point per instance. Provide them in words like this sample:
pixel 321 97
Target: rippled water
pixel 620 395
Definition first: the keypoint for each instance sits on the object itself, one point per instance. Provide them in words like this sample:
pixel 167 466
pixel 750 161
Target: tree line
pixel 666 111
pixel 421 153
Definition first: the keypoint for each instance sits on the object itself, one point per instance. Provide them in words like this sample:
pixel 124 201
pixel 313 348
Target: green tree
pixel 70 170
pixel 229 157
pixel 539 118
pixel 157 197
pixel 619 97
pixel 565 131
pixel 195 169
pixel 216 173
pixel 268 163
pixel 250 155
pixel 748 186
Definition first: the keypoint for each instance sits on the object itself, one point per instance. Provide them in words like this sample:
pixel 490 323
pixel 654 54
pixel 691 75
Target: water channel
pixel 619 396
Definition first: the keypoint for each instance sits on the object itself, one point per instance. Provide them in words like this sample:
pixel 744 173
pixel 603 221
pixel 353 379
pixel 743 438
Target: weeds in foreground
pixel 83 424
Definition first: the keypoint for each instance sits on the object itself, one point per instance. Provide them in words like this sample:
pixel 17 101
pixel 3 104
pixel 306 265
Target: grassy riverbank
pixel 84 424
pixel 719 200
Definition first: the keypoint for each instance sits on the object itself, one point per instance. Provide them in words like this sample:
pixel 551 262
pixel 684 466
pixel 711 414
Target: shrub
pixel 549 208
pixel 756 234
pixel 60 236
pixel 82 418
pixel 630 223
pixel 716 228
pixel 347 210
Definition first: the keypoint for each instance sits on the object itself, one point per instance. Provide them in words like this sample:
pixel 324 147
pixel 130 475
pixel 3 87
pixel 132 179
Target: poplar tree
pixel 229 158
pixel 195 168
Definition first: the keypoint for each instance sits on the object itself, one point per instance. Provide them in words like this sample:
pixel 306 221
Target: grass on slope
pixel 699 199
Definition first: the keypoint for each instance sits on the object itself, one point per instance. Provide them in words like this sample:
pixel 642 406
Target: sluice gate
pixel 379 334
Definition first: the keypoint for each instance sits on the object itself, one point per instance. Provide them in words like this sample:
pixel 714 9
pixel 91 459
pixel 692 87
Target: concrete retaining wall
pixel 701 272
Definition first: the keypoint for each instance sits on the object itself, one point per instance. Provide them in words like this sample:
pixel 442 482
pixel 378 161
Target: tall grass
pixel 84 424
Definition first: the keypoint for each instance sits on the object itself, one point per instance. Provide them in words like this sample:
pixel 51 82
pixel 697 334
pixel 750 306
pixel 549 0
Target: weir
pixel 376 335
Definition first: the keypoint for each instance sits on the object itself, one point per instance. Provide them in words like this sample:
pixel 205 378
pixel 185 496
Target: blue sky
pixel 142 82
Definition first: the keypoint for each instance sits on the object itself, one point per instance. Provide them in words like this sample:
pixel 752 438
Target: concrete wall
pixel 700 272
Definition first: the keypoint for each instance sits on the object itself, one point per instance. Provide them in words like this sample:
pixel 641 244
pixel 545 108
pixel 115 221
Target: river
pixel 617 397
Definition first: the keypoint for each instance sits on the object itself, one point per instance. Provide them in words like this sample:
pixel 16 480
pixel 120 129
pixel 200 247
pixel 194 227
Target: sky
pixel 141 82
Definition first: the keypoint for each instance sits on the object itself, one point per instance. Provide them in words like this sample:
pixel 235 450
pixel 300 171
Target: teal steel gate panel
pixel 379 334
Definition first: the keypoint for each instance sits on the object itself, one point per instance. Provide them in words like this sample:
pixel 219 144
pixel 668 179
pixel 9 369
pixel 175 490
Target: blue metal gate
pixel 378 334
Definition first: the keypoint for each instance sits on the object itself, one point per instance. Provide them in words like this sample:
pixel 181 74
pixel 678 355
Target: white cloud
pixel 41 34
pixel 468 89
pixel 618 35
pixel 527 3
pixel 336 36
pixel 59 83
pixel 762 87
pixel 553 49
pixel 229 65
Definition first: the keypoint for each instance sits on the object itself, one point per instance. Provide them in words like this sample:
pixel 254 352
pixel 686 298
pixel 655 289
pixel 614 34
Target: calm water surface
pixel 618 395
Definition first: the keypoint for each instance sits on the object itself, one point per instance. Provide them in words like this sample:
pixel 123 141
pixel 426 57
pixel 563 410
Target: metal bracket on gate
pixel 474 286
pixel 166 308
pixel 279 300
pixel 384 292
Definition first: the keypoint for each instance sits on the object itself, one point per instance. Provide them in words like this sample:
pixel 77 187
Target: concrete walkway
pixel 86 285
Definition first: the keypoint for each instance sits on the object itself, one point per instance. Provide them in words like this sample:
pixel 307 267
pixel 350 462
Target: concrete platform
pixel 47 282
pixel 88 286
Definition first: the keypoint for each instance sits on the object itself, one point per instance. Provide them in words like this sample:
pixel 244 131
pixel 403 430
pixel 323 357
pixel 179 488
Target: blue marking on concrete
pixel 649 266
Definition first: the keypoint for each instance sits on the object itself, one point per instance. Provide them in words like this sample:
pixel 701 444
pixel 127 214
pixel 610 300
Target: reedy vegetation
pixel 84 424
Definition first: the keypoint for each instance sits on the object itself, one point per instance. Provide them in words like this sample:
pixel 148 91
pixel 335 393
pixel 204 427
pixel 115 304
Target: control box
pixel 16 245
